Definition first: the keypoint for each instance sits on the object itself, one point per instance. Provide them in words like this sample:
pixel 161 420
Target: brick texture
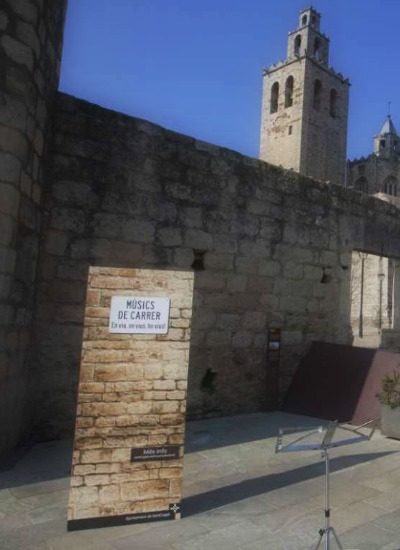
pixel 132 393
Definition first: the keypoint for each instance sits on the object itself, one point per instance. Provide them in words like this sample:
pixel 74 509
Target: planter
pixel 390 421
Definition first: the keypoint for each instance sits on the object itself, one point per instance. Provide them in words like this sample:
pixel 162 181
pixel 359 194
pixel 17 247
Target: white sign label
pixel 139 315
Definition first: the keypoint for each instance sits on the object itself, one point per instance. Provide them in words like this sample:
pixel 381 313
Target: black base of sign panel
pixel 124 519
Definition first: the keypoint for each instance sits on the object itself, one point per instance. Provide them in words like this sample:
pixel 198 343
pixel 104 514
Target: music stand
pixel 324 443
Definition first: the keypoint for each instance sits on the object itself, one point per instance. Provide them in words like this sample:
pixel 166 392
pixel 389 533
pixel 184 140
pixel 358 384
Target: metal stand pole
pixel 325 533
pixel 300 444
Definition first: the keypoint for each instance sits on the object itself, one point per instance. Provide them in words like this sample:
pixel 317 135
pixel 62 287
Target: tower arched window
pixel 274 97
pixel 361 184
pixel 333 103
pixel 317 48
pixel 289 91
pixel 317 94
pixel 304 20
pixel 390 186
pixel 297 45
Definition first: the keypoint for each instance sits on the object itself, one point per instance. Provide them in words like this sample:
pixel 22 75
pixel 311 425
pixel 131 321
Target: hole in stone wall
pixel 198 262
pixel 326 278
pixel 208 382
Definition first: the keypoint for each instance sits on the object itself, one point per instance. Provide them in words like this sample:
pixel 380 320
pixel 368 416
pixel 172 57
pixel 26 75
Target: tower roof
pixel 310 8
pixel 388 127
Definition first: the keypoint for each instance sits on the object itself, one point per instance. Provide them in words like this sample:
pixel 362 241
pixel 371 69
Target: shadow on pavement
pixel 222 496
pixel 214 433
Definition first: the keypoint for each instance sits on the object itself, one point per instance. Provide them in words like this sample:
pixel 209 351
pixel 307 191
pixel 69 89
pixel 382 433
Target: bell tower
pixel 305 107
pixel 387 142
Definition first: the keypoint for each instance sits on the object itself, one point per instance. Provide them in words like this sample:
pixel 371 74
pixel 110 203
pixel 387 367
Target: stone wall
pixel 270 248
pixel 30 51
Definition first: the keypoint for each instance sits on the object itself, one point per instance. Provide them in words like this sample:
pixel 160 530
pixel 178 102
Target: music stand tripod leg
pixel 300 445
pixel 327 529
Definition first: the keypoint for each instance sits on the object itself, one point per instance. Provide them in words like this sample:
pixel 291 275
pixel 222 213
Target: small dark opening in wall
pixel 290 130
pixel 198 262
pixel 326 278
pixel 208 382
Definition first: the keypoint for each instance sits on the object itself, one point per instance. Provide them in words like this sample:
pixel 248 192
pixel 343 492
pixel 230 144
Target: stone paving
pixel 238 494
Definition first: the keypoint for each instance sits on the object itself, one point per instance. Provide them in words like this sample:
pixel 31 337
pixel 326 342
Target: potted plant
pixel 389 397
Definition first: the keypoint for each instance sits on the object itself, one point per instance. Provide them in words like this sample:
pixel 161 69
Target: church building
pixel 380 171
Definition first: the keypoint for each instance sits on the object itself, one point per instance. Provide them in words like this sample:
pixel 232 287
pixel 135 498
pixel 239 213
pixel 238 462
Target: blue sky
pixel 196 67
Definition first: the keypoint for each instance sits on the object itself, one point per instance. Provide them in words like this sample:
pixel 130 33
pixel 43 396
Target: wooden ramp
pixel 336 382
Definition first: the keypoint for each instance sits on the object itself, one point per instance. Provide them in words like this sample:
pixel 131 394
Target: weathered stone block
pixel 290 338
pixel 199 240
pixel 3 21
pixel 13 141
pixel 6 229
pixel 36 194
pixel 269 268
pixel 68 219
pixel 12 112
pixel 218 262
pixel 81 470
pixel 246 265
pixel 56 243
pixel 170 236
pixel 164 385
pixel 256 249
pixel 84 495
pixel 328 258
pixel 25 9
pixel 9 199
pixel 96 479
pixel 254 320
pixel 227 321
pixel 293 270
pixel 10 168
pixel 153 488
pixel 109 493
pixel 218 337
pixel 292 304
pixel 28 35
pixel 165 407
pixel 313 272
pixel 205 279
pixel 242 339
pixel 18 51
pixel 236 283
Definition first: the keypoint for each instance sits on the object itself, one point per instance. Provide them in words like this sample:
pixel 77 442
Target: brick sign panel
pixel 128 448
